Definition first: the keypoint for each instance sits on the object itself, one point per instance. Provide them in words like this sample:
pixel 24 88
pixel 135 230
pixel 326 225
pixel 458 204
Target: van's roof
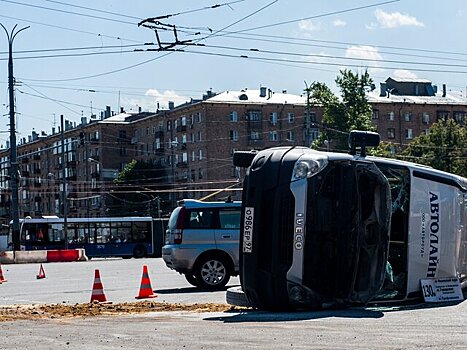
pixel 194 203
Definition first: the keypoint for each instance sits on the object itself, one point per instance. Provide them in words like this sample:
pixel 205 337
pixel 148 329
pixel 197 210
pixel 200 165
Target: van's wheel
pixel 191 279
pixel 139 251
pixel 212 272
pixel 235 296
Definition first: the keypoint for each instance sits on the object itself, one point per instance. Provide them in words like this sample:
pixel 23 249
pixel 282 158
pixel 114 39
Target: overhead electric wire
pixel 317 16
pixel 143 62
pixel 314 63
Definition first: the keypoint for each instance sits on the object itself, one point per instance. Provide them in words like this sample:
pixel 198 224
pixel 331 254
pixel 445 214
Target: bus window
pixel 140 231
pixel 103 232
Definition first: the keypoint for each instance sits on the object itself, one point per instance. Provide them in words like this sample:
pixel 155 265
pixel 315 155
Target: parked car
pixel 202 242
pixel 323 228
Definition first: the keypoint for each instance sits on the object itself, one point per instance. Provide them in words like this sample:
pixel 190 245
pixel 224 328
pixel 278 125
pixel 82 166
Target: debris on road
pixel 30 312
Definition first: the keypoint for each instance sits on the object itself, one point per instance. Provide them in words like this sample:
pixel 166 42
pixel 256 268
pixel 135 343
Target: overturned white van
pixel 299 248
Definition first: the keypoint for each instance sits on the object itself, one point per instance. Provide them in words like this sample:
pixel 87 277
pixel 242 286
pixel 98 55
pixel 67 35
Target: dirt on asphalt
pixel 30 312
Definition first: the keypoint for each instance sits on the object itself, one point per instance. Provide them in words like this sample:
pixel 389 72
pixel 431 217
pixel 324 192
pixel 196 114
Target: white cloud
pixel 339 23
pixel 309 26
pixel 154 99
pixel 166 96
pixel 369 54
pixel 363 51
pixel 396 19
pixel 403 73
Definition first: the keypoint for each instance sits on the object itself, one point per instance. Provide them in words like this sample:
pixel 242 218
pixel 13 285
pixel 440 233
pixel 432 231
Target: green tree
pixel 136 190
pixel 350 111
pixel 443 148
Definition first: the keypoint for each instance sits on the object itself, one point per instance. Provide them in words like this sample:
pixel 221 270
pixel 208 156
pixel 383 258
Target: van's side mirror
pixel 362 139
pixel 243 159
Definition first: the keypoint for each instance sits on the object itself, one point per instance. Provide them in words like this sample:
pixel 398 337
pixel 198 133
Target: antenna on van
pixel 362 139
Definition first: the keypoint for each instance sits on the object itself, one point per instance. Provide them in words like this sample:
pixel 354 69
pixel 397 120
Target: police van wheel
pixel 235 296
pixel 212 273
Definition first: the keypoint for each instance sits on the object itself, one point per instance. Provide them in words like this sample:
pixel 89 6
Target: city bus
pixel 125 237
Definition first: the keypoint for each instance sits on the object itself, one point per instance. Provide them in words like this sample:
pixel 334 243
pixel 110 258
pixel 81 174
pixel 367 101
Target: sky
pixel 77 57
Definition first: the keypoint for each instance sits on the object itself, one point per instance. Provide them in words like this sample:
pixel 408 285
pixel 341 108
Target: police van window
pixel 229 219
pixel 200 218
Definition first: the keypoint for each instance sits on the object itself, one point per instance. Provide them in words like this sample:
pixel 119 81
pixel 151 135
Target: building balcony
pixel 182 164
pixel 71 163
pixel 25 173
pixel 36 171
pixel 24 160
pixel 36 156
pixel 159 134
pixel 181 128
pixel 71 177
pixel 37 183
pixel 96 175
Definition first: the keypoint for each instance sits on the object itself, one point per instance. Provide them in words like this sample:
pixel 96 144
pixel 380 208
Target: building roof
pixel 247 96
pixel 451 98
pixel 410 80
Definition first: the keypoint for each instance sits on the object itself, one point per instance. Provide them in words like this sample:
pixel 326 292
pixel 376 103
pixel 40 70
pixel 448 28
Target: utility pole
pixel 64 201
pixel 13 151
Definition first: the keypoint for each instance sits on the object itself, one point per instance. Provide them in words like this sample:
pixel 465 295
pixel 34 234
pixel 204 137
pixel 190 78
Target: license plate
pixel 248 230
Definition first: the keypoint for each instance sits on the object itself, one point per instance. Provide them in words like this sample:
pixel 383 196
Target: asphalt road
pixel 72 283
pixel 417 326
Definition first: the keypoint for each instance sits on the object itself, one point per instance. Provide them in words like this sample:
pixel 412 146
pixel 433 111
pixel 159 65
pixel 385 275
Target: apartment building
pixel 193 144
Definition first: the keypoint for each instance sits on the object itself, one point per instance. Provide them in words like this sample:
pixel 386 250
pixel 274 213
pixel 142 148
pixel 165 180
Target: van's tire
pixel 139 251
pixel 191 279
pixel 212 272
pixel 235 296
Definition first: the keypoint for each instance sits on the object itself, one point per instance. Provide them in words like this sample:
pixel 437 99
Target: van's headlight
pixel 307 168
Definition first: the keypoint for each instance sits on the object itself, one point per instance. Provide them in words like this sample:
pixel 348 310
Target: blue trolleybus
pixel 100 237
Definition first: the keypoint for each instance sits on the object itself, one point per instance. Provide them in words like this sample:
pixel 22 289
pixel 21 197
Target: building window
pixel 408 134
pixel 200 154
pixel 425 118
pixel 254 116
pixel 273 136
pixel 290 117
pixel 390 115
pixel 442 115
pixel 273 118
pixel 169 125
pixel 408 116
pixel 375 114
pixel 193 156
pixel 200 173
pixel 183 120
pixel 459 117
pixel 233 135
pixel 157 143
pixel 200 136
pixel 290 136
pixel 312 116
pixel 255 135
pixel 192 138
pixel 233 116
pixel 198 117
pixel 391 133
pixel 235 172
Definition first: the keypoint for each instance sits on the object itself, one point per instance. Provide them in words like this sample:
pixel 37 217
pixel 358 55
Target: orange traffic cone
pixel 145 291
pixel 98 289
pixel 41 273
pixel 2 279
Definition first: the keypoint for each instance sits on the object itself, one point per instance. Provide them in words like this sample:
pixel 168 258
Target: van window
pixel 200 218
pixel 229 219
